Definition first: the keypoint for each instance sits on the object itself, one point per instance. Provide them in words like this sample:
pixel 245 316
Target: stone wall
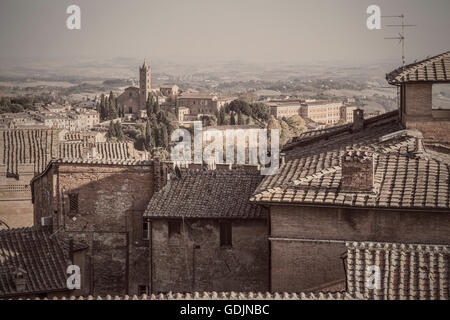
pixel 195 261
pixel 307 243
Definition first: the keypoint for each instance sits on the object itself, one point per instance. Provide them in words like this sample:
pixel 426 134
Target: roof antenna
pixel 401 35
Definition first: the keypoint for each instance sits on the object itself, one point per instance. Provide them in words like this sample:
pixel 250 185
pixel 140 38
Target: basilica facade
pixel 133 99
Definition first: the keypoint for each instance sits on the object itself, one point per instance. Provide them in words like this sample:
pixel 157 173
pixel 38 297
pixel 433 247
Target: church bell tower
pixel 144 84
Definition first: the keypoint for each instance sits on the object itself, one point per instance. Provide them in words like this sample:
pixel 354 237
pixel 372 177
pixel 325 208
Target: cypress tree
pixel 156 106
pixel 232 120
pixel 112 111
pixel 149 138
pixel 148 105
pixel 164 137
pixel 240 119
pixel 102 107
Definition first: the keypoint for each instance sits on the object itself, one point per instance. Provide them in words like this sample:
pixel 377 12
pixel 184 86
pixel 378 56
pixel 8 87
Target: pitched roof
pixel 404 175
pixel 435 69
pixel 37 147
pixel 105 150
pixel 407 271
pixel 43 258
pixel 208 194
pixel 196 95
pixel 27 146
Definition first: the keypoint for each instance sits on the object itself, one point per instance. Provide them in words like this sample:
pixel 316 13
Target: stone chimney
pixel 357 172
pixel 358 119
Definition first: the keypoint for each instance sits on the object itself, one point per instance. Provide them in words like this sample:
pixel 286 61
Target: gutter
pixel 294 204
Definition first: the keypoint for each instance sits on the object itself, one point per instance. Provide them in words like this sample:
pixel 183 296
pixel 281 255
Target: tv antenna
pixel 401 35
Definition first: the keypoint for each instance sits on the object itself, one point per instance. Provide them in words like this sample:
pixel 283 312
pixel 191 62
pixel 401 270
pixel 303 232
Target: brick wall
pixel 112 199
pixel 195 261
pixel 300 263
pixel 418 99
pixel 436 131
pixel 418 113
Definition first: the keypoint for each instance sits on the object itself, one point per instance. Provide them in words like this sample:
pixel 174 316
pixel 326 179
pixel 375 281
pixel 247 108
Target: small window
pixel 73 201
pixel 174 228
pixel 225 234
pixel 145 229
pixel 142 289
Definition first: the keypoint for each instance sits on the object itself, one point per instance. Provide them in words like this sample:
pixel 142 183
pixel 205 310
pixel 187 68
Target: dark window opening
pixel 174 228
pixel 146 229
pixel 142 289
pixel 225 234
pixel 73 201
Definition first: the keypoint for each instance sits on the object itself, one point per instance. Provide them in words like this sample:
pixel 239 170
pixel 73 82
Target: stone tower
pixel 144 84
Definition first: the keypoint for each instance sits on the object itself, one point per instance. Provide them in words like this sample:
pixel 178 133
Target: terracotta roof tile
pixel 407 271
pixel 221 296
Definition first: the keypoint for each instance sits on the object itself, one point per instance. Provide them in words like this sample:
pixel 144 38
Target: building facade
pixel 198 103
pixel 101 203
pixel 205 235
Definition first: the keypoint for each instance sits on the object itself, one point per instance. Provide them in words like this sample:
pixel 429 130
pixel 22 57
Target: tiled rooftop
pixel 42 258
pixel 221 296
pixel 405 174
pixel 37 147
pixel 105 150
pixel 436 69
pixel 24 146
pixel 123 162
pixel 407 271
pixel 220 193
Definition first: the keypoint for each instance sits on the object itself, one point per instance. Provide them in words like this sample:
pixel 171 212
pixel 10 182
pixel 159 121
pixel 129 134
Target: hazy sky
pixel 248 30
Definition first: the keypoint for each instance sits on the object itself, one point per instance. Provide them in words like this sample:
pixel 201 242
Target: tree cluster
pixel 115 132
pixel 237 109
pixel 289 128
pixel 108 109
pixel 158 128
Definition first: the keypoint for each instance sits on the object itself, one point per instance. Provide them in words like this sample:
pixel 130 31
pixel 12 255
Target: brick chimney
pixel 357 172
pixel 89 151
pixel 20 279
pixel 158 181
pixel 358 119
